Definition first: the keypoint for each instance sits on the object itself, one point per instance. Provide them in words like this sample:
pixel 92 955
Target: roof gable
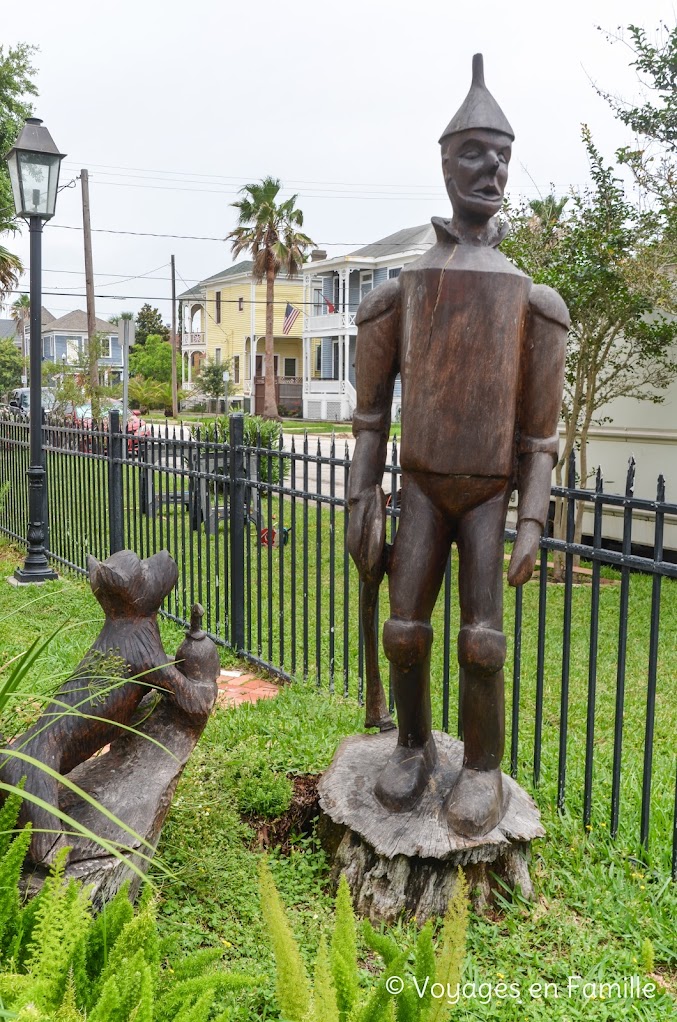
pixel 401 241
pixel 8 329
pixel 242 269
pixel 76 322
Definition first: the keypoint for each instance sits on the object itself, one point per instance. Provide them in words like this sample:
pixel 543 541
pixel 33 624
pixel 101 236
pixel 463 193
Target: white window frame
pixel 366 277
pixel 73 350
pixel 289 358
pixel 106 341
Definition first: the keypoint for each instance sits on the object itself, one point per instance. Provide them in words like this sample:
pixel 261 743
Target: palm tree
pixel 21 311
pixel 270 232
pixel 11 269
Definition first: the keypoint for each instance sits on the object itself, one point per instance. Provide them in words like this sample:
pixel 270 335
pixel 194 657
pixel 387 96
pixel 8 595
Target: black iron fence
pixel 259 537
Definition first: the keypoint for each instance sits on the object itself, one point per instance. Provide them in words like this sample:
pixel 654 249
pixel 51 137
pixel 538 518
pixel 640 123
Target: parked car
pixel 137 428
pixel 20 400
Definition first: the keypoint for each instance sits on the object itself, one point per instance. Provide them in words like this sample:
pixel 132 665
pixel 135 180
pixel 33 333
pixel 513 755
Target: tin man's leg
pixel 416 571
pixel 474 806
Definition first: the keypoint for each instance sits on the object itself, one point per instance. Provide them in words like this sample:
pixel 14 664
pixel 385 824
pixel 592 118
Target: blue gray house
pixel 64 341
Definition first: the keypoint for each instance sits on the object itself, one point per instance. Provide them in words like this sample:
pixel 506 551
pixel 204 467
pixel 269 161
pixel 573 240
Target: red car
pixel 137 427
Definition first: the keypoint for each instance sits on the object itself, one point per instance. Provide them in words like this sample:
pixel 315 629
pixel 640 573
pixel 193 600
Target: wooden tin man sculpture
pixel 480 350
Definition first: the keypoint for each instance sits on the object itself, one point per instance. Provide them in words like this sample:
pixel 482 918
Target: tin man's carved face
pixel 475 167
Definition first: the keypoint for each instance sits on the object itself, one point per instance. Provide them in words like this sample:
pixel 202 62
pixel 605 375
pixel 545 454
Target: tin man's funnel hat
pixel 479 109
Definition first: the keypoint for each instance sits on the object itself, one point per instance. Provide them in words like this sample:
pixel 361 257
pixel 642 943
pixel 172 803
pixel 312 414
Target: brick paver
pixel 236 687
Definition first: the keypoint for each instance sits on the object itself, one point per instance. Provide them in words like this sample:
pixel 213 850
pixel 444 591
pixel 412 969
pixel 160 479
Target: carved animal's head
pixel 126 586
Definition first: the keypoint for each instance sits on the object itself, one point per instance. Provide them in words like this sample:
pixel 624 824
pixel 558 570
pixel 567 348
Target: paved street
pixel 319 445
pixel 322 443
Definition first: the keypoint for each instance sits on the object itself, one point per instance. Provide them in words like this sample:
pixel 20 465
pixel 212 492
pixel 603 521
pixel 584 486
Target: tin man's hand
pixel 367 533
pixel 524 552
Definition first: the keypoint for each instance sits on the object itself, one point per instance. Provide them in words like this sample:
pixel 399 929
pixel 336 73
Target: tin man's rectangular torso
pixel 463 316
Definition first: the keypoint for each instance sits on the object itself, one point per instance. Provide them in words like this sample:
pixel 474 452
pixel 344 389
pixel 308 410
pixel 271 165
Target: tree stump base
pixel 135 780
pixel 406 864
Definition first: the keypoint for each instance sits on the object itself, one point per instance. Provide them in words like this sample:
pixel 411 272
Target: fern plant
pixel 59 964
pixel 336 994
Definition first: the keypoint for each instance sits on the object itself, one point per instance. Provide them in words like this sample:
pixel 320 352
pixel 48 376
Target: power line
pixel 112 283
pixel 207 237
pixel 157 298
pixel 187 177
pixel 354 196
pixel 109 168
pixel 110 273
pixel 140 234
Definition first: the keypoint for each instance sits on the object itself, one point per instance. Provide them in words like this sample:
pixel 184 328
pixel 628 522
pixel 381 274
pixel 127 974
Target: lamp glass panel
pixel 54 168
pixel 14 180
pixel 39 174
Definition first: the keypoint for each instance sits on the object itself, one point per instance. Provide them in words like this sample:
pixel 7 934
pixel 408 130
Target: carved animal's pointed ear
pixel 92 570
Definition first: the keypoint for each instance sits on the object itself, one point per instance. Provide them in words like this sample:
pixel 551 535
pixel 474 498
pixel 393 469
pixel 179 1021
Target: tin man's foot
pixel 405 776
pixel 474 806
pixel 384 722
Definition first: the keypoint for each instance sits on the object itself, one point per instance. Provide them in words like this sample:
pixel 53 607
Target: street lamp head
pixel 34 163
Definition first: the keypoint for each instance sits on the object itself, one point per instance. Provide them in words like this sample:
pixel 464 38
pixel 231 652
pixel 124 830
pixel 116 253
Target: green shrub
pixel 257 788
pixel 60 964
pixel 267 794
pixel 260 433
pixel 257 431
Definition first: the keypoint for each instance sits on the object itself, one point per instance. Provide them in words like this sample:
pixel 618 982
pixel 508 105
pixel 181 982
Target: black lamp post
pixel 34 163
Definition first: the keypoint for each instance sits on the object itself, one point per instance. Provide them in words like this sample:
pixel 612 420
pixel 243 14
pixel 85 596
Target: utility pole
pixel 175 396
pixel 126 336
pixel 89 285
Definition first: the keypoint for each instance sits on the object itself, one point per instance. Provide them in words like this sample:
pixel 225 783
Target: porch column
pixel 252 334
pixel 344 294
pixel 190 369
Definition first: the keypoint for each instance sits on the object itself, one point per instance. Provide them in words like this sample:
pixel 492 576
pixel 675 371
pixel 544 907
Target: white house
pixel 332 291
pixel 646 432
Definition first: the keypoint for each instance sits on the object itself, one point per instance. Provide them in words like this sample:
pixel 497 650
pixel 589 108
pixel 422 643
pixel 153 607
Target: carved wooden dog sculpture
pixel 84 715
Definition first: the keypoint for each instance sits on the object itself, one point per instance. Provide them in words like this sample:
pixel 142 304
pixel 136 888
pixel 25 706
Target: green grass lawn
pixel 599 911
pixel 301 607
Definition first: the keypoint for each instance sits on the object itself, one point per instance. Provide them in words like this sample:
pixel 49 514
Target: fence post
pixel 115 500
pixel 45 488
pixel 236 531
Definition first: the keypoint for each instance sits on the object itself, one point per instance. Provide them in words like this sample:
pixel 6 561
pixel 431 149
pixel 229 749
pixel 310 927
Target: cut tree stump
pixel 406 864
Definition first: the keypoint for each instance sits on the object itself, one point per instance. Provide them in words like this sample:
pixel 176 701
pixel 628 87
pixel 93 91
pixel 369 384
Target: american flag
pixel 290 316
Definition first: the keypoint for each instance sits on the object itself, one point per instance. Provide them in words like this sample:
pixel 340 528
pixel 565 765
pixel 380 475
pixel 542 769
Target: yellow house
pixel 224 320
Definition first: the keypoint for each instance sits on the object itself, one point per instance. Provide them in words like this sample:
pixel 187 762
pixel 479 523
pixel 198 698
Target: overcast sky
pixel 172 107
